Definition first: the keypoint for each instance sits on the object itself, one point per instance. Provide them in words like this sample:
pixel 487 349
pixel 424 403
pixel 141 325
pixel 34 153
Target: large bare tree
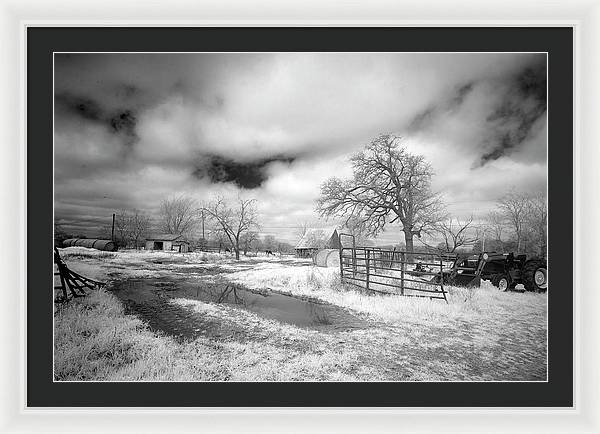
pixel 233 220
pixel 388 185
pixel 178 215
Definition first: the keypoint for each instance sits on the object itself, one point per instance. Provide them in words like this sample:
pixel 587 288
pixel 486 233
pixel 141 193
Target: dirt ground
pixel 281 318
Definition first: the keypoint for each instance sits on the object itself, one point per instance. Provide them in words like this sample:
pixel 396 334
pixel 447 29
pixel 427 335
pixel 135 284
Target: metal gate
pixel 392 271
pixel 74 282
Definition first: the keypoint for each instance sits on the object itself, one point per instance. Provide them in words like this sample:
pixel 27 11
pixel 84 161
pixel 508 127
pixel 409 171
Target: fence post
pixel 374 259
pixel 442 278
pixel 368 260
pixel 341 264
pixel 353 257
pixel 402 265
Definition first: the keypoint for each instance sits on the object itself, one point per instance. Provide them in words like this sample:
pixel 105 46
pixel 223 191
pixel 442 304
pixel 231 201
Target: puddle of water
pixel 149 299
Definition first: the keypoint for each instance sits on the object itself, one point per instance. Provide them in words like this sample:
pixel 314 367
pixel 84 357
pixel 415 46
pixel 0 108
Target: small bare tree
pixel 454 234
pixel 234 220
pixel 537 220
pixel 139 224
pixel 301 229
pixel 247 239
pixel 178 215
pixel 389 184
pixel 515 207
pixel 495 223
pixel 122 227
pixel 269 242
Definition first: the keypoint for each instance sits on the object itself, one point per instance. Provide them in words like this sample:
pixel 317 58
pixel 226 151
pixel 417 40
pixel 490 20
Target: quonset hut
pixel 90 243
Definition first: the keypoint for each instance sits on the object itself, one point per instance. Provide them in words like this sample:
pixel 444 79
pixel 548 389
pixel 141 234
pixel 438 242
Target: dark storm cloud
pixel 425 118
pixel 80 106
pixel 121 122
pixel 246 175
pixel 505 109
pixel 129 128
pixel 521 107
pixel 124 123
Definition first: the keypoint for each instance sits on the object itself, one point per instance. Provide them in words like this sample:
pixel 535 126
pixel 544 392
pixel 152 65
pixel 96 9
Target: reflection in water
pixel 150 297
pixel 229 290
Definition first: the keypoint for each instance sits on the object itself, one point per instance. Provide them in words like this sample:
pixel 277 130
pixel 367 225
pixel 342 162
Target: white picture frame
pixel 583 16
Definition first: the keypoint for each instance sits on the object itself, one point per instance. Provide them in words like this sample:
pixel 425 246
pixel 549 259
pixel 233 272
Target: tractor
pixel 504 270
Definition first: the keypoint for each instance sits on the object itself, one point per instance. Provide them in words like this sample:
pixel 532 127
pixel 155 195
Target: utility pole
pixel 112 234
pixel 203 238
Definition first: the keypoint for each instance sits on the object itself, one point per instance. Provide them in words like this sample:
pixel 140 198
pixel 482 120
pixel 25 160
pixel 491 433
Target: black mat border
pixel 43 41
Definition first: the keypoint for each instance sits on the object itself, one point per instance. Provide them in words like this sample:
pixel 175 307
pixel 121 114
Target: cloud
pixel 132 129
pixel 250 175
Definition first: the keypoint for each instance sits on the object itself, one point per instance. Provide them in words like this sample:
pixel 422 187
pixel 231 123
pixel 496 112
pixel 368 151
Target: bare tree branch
pixel 515 206
pixel 389 184
pixel 233 220
pixel 178 215
pixel 454 234
pixel 139 224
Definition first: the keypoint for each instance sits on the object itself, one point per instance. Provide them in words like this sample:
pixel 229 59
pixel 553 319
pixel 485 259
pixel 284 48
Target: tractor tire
pixel 502 282
pixel 535 275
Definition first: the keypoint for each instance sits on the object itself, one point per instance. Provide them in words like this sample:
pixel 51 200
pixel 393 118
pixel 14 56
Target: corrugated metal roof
pixel 164 237
pixel 316 238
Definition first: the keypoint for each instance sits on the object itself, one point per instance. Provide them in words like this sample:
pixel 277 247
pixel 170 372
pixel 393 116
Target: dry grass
pixel 324 283
pixel 481 334
pixel 85 253
pixel 94 340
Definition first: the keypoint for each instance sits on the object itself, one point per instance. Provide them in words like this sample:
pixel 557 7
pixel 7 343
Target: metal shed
pixel 168 242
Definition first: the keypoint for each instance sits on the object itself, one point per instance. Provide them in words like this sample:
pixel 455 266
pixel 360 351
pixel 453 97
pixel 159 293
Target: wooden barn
pixel 314 240
pixel 168 242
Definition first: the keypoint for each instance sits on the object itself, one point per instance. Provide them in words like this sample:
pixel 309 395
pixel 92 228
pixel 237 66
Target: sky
pixel 131 130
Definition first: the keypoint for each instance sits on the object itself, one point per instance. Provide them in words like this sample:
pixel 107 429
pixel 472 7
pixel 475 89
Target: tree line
pixel 224 222
pixel 220 222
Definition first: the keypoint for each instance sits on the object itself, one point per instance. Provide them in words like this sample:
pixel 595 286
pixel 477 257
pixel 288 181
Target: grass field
pixel 480 335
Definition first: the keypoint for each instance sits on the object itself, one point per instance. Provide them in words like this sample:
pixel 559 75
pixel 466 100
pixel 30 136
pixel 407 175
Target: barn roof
pixel 314 238
pixel 180 241
pixel 164 237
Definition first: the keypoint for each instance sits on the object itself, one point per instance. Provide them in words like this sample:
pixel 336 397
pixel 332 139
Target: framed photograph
pixel 290 220
pixel 218 219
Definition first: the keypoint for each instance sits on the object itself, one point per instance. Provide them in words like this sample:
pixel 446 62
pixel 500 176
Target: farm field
pixel 207 317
